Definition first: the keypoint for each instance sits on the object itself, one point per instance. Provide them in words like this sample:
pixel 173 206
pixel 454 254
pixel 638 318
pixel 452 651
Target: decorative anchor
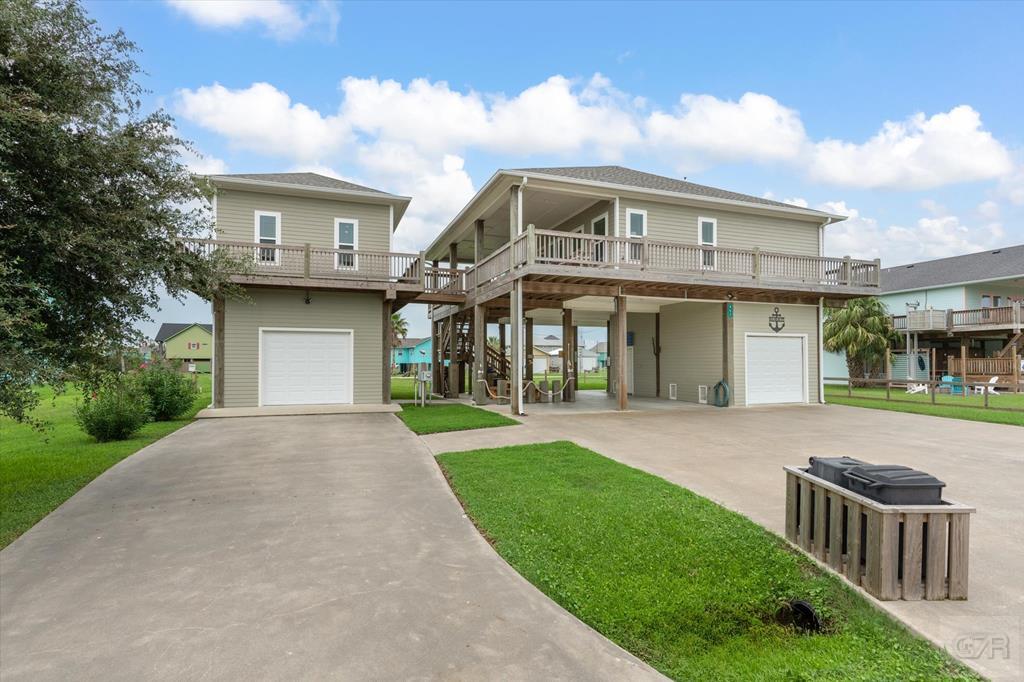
pixel 776 321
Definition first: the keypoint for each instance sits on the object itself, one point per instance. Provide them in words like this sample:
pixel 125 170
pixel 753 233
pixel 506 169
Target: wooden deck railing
pixel 546 247
pixel 290 260
pixel 982 366
pixel 1002 317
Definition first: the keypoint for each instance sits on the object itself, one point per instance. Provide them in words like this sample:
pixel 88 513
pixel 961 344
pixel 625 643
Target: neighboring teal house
pixel 412 355
pixel 964 305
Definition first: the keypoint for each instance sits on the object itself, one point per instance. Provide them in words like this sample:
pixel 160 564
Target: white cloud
pixel 795 201
pixel 919 153
pixel 989 209
pixel 1012 186
pixel 757 127
pixel 263 119
pixel 935 236
pixel 282 20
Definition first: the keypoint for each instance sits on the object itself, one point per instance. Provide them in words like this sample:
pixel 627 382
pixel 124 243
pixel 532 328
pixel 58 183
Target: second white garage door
pixel 305 367
pixel 776 370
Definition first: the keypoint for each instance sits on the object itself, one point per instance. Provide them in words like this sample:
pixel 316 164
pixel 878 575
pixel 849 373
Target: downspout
pixel 821 318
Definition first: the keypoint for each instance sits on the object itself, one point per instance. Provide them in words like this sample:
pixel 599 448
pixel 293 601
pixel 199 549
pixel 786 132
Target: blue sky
pixel 905 117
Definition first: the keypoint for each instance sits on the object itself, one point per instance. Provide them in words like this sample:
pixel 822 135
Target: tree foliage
pixel 92 194
pixel 863 329
pixel 399 329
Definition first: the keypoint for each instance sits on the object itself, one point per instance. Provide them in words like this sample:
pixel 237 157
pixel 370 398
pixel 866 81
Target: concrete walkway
pixel 320 547
pixel 735 457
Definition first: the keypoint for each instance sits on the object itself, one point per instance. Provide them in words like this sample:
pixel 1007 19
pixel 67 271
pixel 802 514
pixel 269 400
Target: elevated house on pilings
pixel 706 294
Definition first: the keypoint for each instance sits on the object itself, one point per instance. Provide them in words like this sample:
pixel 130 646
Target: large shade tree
pixel 92 194
pixel 863 329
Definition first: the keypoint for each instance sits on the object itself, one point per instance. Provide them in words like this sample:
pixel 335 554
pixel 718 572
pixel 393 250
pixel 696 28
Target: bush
pixel 116 410
pixel 170 393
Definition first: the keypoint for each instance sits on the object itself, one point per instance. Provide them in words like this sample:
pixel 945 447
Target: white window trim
pixel 259 356
pixel 337 241
pixel 579 229
pixel 629 227
pixel 746 366
pixel 714 241
pixel 595 219
pixel 277 240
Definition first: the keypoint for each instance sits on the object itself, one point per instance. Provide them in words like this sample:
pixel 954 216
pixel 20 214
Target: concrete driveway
pixel 280 548
pixel 735 457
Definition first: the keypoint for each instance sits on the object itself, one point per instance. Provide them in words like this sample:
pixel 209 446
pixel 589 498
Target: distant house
pixel 600 349
pixel 412 355
pixel 945 309
pixel 588 360
pixel 187 345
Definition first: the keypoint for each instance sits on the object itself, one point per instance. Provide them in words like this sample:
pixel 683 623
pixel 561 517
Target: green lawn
pixel 40 470
pixel 403 388
pixel 970 407
pixel 443 417
pixel 681 582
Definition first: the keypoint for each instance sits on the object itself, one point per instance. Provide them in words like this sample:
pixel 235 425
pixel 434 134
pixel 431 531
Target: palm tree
pixel 399 329
pixel 862 328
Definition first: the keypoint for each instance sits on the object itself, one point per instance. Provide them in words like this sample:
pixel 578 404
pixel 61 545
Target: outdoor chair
pixel 917 388
pixel 990 389
pixel 952 385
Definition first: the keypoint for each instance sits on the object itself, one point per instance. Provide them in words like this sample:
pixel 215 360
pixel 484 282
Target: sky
pixel 904 117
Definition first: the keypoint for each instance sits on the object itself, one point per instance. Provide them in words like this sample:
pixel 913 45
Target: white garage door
pixel 305 367
pixel 775 370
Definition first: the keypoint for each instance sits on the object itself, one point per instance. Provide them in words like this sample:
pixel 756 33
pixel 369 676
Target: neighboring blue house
pixel 968 304
pixel 412 355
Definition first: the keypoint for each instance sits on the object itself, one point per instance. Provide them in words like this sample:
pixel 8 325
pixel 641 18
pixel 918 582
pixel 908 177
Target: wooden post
pixel 528 344
pixel 657 355
pixel 387 338
pixel 218 351
pixel 757 263
pixel 515 222
pixel 504 349
pixel 436 364
pixel 913 556
pixel 728 364
pixel 305 261
pixel 516 309
pixel 479 377
pixel 620 351
pixel 853 548
pixel 1016 368
pixel 963 363
pixel 531 245
pixel 846 270
pixel 608 354
pixel 478 241
pixel 835 532
pixel 888 364
pixel 935 569
pixel 569 392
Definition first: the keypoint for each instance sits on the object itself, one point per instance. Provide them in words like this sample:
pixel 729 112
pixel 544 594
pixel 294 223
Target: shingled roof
pixel 169 329
pixel 1002 263
pixel 627 177
pixel 304 180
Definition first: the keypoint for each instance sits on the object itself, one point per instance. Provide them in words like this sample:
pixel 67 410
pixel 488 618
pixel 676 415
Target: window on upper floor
pixel 268 231
pixel 991 300
pixel 707 235
pixel 636 219
pixel 346 232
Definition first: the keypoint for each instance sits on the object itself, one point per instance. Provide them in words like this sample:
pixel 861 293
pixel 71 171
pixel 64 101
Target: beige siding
pixel 753 318
pixel 642 327
pixel 736 230
pixel 286 308
pixel 584 218
pixel 691 347
pixel 304 220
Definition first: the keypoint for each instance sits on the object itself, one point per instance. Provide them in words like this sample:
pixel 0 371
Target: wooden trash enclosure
pixel 894 552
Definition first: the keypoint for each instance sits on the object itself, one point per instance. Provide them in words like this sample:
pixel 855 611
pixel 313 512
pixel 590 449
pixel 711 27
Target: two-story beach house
pixel 705 293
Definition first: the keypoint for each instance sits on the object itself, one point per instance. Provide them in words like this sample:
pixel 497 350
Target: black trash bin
pixel 894 484
pixel 831 468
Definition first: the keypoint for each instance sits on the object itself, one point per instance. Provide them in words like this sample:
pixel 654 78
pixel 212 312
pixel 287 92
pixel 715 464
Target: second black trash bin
pixel 831 468
pixel 894 484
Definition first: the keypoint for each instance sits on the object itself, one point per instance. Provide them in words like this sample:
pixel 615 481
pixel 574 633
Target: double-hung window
pixel 268 231
pixel 346 235
pixel 636 228
pixel 707 235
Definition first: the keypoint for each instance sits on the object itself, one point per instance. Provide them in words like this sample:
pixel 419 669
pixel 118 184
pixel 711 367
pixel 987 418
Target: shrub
pixel 117 409
pixel 170 393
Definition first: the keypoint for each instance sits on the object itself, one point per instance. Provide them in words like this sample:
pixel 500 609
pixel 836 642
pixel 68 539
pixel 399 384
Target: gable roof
pixel 600 347
pixel 1002 263
pixel 627 177
pixel 304 180
pixel 170 329
pixel 412 342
